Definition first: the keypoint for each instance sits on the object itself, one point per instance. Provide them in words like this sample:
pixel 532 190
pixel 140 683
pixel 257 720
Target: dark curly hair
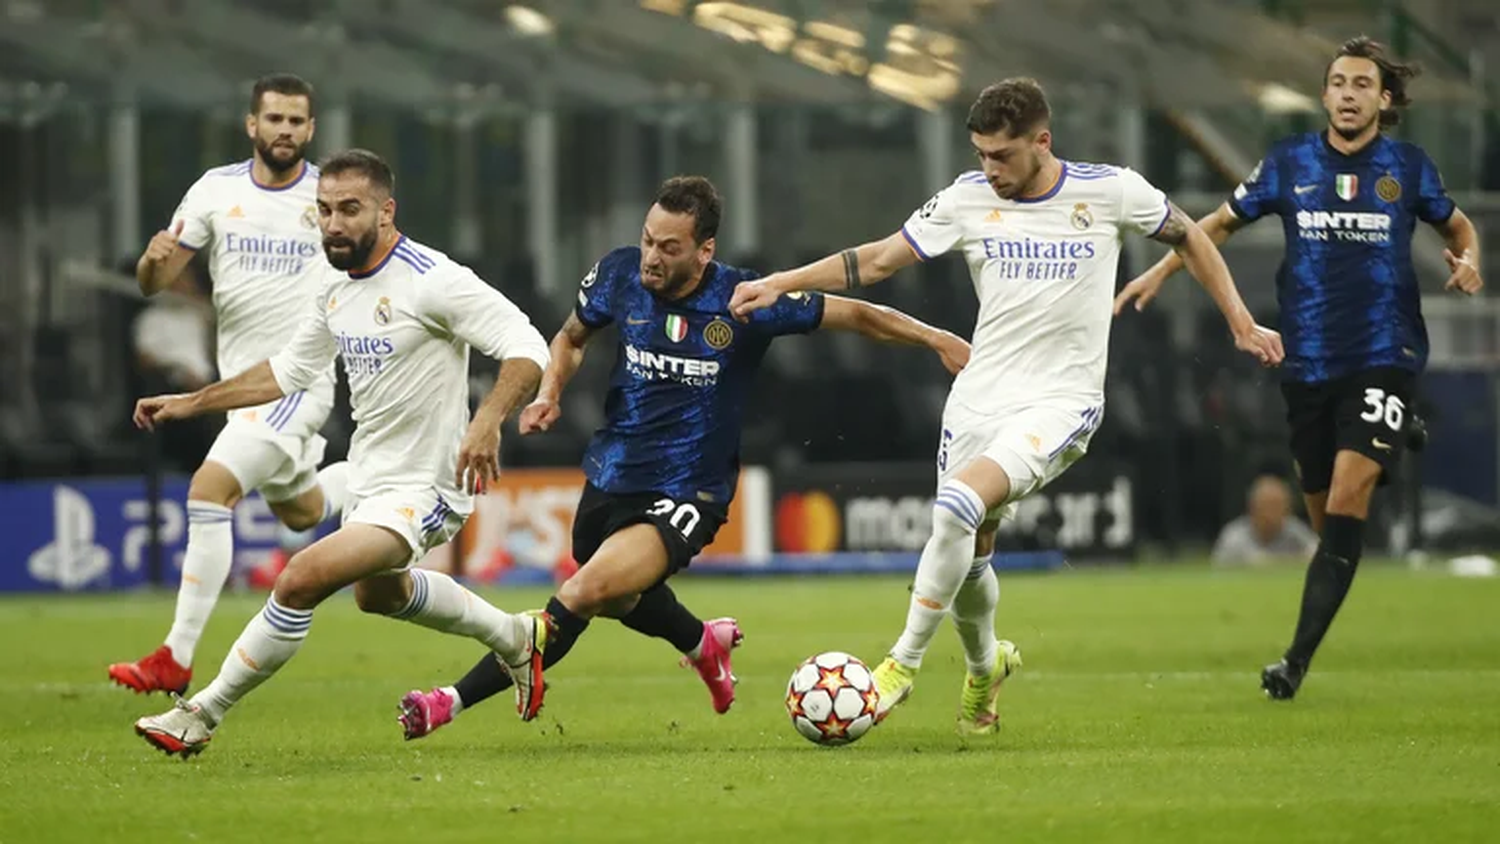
pixel 1394 75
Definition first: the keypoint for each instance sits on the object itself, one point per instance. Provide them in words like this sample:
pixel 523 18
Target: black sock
pixel 569 628
pixel 485 680
pixel 1328 579
pixel 659 614
pixel 488 678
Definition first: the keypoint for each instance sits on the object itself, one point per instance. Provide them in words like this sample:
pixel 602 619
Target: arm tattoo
pixel 851 269
pixel 1174 229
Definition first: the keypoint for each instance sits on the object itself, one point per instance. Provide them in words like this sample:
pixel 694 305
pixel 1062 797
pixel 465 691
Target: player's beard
pixel 1351 134
pixel 279 160
pixel 674 279
pixel 358 250
pixel 1023 186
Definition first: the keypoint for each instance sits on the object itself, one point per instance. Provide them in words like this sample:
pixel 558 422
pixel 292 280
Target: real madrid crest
pixel 1387 188
pixel 383 311
pixel 310 217
pixel 718 334
pixel 1082 217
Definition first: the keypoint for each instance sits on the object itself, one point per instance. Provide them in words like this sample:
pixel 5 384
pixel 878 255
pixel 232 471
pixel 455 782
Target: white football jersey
pixel 265 256
pixel 1044 270
pixel 404 330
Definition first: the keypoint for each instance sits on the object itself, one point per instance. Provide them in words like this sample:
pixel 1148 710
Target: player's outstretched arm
pixel 162 262
pixel 479 453
pixel 889 325
pixel 1143 288
pixel 1462 253
pixel 850 269
pixel 567 355
pixel 1201 256
pixel 256 385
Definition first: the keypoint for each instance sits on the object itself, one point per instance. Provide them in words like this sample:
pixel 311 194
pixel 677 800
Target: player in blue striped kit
pixel 1349 199
pixel 662 469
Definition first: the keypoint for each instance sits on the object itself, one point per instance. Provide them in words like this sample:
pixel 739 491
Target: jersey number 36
pixel 1383 406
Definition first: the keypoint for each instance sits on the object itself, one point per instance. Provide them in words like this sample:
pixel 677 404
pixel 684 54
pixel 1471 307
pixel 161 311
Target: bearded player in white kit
pixel 258 221
pixel 1042 240
pixel 402 317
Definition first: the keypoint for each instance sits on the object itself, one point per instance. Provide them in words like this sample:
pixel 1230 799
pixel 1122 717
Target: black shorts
pixel 686 527
pixel 1365 412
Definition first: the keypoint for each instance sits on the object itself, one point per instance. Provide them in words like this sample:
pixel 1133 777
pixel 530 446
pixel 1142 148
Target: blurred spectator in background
pixel 173 336
pixel 1268 532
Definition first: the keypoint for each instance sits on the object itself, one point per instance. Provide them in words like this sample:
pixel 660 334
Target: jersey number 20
pixel 684 516
pixel 1383 406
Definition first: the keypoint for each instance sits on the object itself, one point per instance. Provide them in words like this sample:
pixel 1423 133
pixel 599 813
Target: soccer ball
pixel 831 699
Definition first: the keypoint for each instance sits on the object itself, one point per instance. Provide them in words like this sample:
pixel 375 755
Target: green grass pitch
pixel 1137 718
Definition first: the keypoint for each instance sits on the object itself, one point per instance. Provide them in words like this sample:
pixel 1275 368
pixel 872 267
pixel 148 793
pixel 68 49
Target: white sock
pixel 453 695
pixel 269 640
pixel 438 602
pixel 334 480
pixel 205 567
pixel 974 615
pixel 956 515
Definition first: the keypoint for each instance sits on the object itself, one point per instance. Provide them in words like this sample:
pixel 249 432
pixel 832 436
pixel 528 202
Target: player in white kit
pixel 403 318
pixel 258 221
pixel 1042 240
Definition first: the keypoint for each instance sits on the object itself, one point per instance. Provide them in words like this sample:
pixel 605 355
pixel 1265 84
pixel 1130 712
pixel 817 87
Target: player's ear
pixel 388 211
pixel 250 122
pixel 312 127
pixel 706 249
pixel 1043 139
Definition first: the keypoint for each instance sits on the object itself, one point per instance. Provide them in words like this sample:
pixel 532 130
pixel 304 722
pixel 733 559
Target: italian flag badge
pixel 676 328
pixel 1346 185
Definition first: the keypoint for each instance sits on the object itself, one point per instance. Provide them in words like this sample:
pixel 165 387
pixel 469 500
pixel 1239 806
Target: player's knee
pixel 587 592
pixel 214 484
pixel 956 513
pixel 1352 499
pixel 1352 488
pixel 298 586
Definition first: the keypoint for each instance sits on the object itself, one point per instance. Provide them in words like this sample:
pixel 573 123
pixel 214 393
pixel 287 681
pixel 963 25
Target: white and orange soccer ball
pixel 831 699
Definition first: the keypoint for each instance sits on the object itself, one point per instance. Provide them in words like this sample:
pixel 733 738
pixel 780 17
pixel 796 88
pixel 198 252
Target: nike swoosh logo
pixel 1380 444
pixel 1301 189
pixel 723 674
pixel 637 321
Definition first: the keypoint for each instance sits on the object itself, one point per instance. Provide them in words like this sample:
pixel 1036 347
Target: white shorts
pixel 275 447
pixel 1034 445
pixel 424 517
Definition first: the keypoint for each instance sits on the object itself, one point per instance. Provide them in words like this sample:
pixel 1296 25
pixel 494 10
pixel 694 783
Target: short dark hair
pixel 693 195
pixel 1393 74
pixel 286 84
pixel 1017 106
pixel 364 163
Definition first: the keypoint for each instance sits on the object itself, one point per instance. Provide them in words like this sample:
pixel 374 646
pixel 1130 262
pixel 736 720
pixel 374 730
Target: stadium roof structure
pixel 447 54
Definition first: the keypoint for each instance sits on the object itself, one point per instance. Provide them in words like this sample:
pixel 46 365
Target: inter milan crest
pixel 1387 188
pixel 718 335
pixel 1082 217
pixel 676 328
pixel 383 311
pixel 1346 185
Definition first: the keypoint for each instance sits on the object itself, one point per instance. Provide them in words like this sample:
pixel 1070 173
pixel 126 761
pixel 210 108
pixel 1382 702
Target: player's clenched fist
pixel 752 296
pixel 154 410
pixel 539 416
pixel 163 244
